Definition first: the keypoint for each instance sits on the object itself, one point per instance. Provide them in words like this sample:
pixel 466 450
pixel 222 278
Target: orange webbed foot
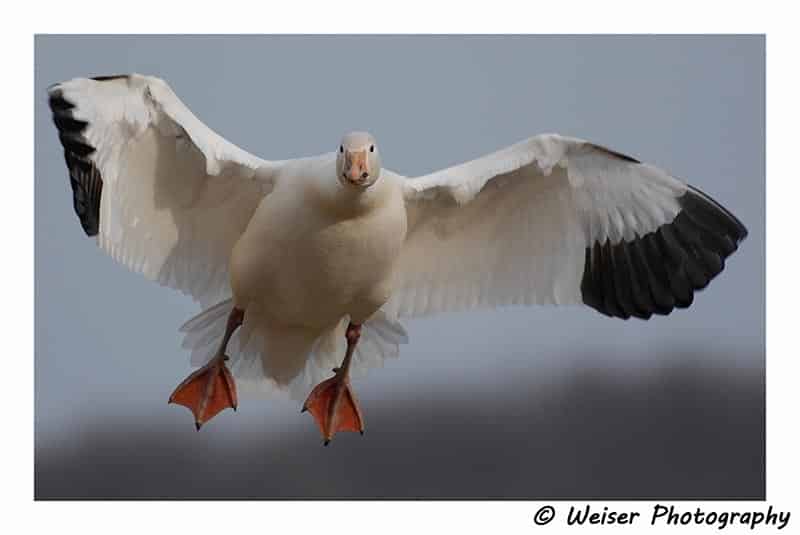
pixel 207 391
pixel 333 405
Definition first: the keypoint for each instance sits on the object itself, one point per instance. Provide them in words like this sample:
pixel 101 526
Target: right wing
pixel 164 194
pixel 558 220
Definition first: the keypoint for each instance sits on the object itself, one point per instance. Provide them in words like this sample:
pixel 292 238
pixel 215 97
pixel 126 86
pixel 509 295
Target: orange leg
pixel 210 389
pixel 333 403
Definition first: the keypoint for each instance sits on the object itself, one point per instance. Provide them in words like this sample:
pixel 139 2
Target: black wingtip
pixel 661 271
pixel 697 201
pixel 85 178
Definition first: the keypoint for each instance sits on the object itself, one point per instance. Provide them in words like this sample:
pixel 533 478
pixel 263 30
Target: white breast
pixel 310 256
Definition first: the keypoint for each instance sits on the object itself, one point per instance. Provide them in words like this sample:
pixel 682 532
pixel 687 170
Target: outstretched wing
pixel 559 220
pixel 163 193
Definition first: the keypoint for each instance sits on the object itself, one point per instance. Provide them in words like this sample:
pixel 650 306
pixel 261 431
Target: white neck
pixel 350 201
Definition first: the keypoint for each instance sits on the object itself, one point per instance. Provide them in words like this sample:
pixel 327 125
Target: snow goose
pixel 296 262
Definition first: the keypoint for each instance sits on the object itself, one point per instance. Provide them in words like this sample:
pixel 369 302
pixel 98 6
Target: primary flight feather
pixel 297 262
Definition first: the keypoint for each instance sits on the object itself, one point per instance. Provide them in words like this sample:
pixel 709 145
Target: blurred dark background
pixel 535 402
pixel 687 431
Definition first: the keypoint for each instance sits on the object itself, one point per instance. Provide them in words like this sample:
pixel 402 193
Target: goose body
pixel 331 243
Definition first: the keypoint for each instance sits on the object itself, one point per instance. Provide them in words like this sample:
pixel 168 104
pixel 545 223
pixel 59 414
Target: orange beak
pixel 355 167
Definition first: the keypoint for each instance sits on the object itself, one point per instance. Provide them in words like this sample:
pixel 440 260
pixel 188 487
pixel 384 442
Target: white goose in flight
pixel 315 258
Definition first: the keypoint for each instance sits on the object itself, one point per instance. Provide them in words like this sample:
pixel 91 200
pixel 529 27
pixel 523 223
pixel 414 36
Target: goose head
pixel 358 162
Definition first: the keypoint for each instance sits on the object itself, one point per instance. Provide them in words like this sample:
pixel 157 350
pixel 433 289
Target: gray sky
pixel 106 340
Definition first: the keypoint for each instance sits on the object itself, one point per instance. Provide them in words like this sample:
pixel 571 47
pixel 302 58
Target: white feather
pixel 512 227
pixel 176 196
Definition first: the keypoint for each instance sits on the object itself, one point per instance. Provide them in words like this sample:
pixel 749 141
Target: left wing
pixel 562 221
pixel 164 194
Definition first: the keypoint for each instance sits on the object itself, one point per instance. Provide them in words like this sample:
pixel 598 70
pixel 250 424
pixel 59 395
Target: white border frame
pixel 406 16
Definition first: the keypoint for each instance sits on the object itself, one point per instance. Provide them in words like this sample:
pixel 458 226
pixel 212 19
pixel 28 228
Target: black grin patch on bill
pixel 658 272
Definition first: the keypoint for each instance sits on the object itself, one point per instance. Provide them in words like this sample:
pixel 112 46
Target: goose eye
pixel 341 148
pixel 372 148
